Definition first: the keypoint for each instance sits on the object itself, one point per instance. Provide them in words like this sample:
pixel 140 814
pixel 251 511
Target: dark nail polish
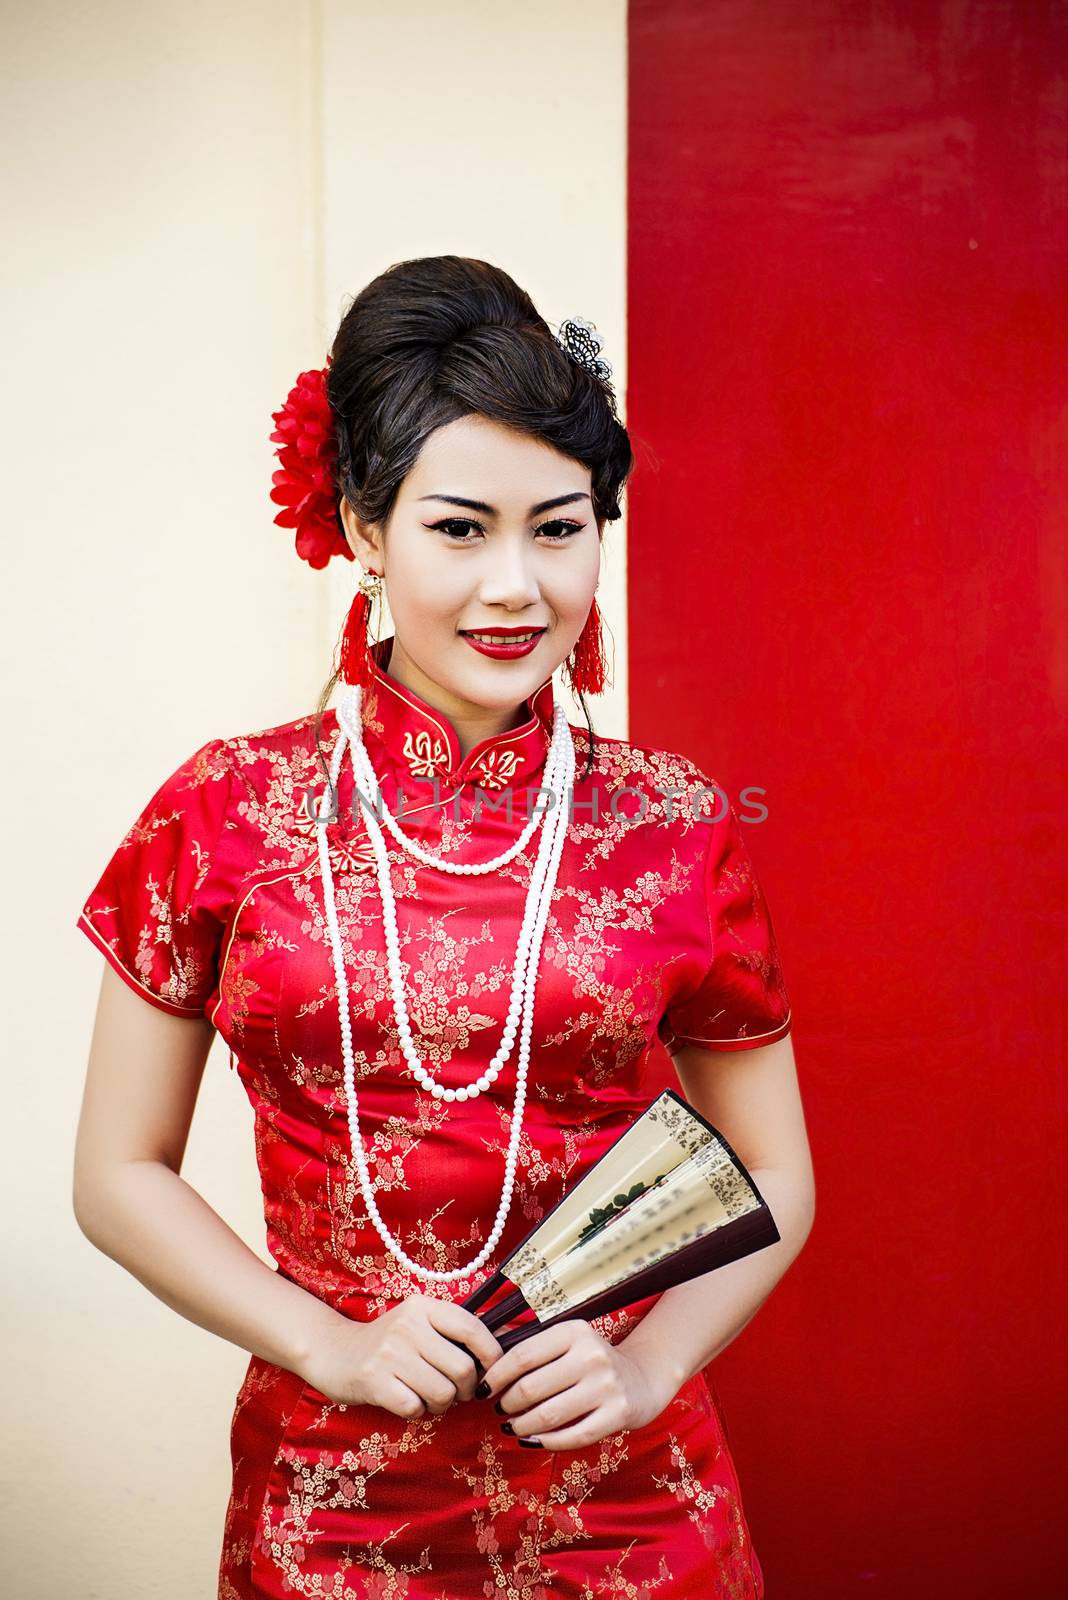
pixel 482 1389
pixel 506 1427
pixel 532 1444
pixel 498 1407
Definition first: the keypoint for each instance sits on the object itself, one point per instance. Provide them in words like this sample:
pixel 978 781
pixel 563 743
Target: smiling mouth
pixel 503 635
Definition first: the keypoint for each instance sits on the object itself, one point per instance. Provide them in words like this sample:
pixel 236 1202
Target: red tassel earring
pixel 356 663
pixel 586 665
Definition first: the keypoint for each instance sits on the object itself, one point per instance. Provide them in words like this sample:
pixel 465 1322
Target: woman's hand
pixel 568 1387
pixel 404 1360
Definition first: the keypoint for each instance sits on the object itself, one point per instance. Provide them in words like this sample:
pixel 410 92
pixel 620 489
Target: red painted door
pixel 848 391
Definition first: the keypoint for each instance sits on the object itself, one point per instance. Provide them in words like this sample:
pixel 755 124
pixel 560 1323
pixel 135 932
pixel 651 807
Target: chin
pixel 500 684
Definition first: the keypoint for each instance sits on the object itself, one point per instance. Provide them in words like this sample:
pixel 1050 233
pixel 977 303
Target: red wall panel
pixel 848 390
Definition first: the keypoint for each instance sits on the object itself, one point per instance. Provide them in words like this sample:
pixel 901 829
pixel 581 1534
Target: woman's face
pixel 490 529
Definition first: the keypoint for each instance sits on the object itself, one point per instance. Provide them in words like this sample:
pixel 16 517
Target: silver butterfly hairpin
pixel 582 342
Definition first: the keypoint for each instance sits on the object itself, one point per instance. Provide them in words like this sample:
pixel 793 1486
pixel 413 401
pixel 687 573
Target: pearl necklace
pixel 559 776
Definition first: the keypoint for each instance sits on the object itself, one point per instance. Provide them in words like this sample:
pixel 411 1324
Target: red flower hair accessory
pixel 305 484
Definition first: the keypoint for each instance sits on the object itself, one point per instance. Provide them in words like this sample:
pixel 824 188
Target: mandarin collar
pixel 423 742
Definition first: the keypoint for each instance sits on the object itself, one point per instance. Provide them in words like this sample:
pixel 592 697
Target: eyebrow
pixel 491 511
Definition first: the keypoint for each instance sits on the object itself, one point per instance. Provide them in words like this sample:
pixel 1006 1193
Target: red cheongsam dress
pixel 212 905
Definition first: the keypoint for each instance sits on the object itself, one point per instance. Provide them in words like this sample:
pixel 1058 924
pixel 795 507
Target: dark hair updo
pixel 441 337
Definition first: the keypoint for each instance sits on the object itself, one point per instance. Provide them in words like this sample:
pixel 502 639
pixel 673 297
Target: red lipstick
pixel 495 641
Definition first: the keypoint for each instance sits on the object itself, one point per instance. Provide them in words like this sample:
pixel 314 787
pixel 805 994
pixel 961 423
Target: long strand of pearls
pixel 560 767
pixel 555 781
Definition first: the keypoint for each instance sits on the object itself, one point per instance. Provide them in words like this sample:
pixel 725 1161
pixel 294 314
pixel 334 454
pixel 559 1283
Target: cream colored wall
pixel 191 192
pixel 503 137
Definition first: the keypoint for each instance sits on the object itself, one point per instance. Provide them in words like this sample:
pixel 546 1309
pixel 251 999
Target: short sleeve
pixel 741 1001
pixel 158 910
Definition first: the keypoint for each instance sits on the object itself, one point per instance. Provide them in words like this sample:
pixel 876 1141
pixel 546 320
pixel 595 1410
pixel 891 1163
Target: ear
pixel 364 538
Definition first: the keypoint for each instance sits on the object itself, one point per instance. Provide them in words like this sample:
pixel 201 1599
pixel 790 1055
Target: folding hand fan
pixel 668 1201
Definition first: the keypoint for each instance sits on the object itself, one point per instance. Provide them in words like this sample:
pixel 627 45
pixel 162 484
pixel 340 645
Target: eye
pixel 568 529
pixel 448 523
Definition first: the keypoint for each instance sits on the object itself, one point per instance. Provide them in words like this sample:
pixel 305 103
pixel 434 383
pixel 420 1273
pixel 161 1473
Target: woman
pixel 416 1111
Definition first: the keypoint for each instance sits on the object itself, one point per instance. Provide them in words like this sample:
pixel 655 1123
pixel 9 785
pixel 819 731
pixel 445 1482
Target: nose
pixel 508 579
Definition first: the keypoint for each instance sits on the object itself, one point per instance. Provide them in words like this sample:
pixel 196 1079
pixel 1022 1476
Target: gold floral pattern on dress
pixel 427 756
pixel 496 768
pixel 244 978
pixel 351 853
pixel 150 912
